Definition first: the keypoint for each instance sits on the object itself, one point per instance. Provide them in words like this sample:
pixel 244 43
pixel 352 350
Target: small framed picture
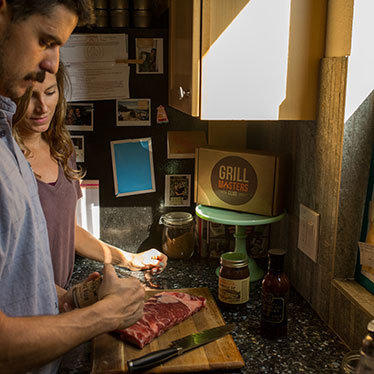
pixel 177 190
pixel 150 51
pixel 78 141
pixel 79 116
pixel 133 170
pixel 133 112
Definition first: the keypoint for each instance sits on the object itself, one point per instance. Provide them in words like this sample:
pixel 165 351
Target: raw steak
pixel 161 312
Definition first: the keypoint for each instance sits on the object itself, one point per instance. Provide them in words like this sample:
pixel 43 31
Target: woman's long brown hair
pixel 57 136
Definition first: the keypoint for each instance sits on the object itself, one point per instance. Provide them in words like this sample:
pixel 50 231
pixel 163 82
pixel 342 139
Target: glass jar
pixel 233 282
pixel 350 362
pixel 178 235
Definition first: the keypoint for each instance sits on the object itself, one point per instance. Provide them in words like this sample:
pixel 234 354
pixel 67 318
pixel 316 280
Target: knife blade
pixel 178 347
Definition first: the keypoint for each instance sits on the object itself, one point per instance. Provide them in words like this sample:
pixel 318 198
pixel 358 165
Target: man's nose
pixel 51 60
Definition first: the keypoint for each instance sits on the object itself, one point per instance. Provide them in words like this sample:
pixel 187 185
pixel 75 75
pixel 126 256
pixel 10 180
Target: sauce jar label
pixel 273 308
pixel 233 291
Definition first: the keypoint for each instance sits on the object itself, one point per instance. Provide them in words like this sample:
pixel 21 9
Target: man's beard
pixel 8 87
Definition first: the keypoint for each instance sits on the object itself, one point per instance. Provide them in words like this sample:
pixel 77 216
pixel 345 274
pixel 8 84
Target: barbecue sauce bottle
pixel 275 295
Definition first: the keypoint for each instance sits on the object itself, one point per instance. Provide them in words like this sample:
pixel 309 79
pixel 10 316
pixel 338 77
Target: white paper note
pixel 91 64
pixel 366 254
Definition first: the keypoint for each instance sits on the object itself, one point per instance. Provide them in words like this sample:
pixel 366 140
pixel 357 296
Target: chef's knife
pixel 178 347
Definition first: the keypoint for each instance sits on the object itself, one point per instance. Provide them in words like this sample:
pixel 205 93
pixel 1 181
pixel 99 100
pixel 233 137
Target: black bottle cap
pixel 276 258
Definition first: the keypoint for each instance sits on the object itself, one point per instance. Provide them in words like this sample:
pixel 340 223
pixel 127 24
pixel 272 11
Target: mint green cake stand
pixel 240 220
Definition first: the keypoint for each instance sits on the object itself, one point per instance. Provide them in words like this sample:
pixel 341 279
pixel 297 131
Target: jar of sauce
pixel 178 235
pixel 233 283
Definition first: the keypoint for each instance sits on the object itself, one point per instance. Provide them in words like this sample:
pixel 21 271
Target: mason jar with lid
pixel 178 235
pixel 233 283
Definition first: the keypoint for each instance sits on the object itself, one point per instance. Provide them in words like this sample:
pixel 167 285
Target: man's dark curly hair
pixel 22 9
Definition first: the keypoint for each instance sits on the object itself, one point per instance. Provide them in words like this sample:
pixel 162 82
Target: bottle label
pixel 273 309
pixel 86 293
pixel 233 291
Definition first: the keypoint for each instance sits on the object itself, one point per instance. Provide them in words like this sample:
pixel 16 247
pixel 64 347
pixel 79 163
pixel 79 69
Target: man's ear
pixel 2 3
pixel 4 16
pixel 4 8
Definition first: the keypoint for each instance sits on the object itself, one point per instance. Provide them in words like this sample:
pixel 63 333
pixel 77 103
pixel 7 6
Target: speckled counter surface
pixel 310 347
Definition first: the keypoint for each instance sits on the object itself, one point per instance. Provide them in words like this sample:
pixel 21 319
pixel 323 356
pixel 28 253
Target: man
pixel 33 334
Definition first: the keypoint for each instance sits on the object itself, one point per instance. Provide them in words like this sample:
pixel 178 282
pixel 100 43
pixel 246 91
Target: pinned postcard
pixel 78 141
pixel 79 117
pixel 133 170
pixel 133 112
pixel 150 51
pixel 177 190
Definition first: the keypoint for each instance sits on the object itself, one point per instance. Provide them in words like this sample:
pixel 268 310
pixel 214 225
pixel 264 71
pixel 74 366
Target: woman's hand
pixel 151 259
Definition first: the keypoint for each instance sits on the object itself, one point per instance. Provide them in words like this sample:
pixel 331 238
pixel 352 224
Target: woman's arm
pixel 87 245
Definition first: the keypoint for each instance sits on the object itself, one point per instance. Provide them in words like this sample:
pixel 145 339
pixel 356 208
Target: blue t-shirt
pixel 26 274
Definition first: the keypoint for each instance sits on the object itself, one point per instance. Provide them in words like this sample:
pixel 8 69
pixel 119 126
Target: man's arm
pixel 31 342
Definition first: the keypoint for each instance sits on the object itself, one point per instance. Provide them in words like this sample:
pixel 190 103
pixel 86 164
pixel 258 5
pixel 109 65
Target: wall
pixel 329 167
pixel 131 222
pixel 329 172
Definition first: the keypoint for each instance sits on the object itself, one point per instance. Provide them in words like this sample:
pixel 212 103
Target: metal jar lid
pixel 142 4
pixel 101 17
pixel 142 18
pixel 176 218
pixel 119 18
pixel 234 260
pixel 119 4
pixel 101 4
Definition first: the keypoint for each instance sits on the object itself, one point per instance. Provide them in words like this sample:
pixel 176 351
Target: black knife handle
pixel 152 359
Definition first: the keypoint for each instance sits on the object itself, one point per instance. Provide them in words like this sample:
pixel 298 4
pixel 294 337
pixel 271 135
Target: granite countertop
pixel 310 346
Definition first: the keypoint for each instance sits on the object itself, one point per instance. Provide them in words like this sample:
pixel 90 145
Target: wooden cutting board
pixel 110 354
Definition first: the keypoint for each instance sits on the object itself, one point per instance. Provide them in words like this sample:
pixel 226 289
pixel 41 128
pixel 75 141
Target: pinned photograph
pixel 79 117
pixel 78 141
pixel 133 112
pixel 177 190
pixel 150 51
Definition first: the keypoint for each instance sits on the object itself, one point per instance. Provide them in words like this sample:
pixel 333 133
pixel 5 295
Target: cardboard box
pixel 248 181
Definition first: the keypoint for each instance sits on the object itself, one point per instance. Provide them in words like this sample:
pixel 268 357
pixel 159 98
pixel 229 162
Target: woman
pixel 39 129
